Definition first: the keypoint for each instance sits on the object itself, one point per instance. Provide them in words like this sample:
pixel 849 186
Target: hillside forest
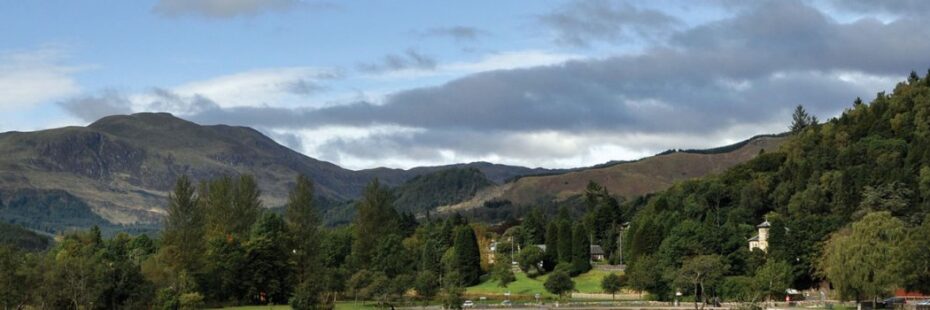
pixel 847 200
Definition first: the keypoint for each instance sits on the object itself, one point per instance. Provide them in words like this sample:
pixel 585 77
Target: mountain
pixel 119 169
pixel 623 179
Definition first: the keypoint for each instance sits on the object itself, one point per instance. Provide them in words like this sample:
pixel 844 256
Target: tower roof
pixel 765 224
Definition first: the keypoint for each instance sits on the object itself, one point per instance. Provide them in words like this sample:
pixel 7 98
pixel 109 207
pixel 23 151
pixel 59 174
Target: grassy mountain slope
pixel 625 179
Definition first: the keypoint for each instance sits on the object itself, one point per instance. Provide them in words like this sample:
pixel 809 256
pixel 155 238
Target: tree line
pixel 220 247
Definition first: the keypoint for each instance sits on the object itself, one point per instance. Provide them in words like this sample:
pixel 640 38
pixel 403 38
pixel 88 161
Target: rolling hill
pixel 624 179
pixel 119 169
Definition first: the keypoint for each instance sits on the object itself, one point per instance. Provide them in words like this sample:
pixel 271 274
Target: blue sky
pixel 408 83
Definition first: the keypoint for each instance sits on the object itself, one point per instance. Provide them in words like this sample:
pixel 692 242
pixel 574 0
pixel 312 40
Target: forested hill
pixel 21 238
pixel 426 192
pixel 869 165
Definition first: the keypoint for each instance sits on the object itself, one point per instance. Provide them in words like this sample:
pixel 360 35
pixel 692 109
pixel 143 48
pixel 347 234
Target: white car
pixel 468 304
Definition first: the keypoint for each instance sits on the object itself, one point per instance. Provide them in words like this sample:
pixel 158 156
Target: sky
pixel 400 84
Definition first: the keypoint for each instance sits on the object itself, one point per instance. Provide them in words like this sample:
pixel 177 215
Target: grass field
pixel 347 305
pixel 589 282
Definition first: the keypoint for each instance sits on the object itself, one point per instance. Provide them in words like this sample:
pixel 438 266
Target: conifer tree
pixel 565 242
pixel 375 219
pixel 581 250
pixel 800 119
pixel 467 257
pixel 247 206
pixel 303 224
pixel 552 245
pixel 184 228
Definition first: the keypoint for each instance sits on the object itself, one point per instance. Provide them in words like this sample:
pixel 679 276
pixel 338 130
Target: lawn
pixel 342 305
pixel 589 282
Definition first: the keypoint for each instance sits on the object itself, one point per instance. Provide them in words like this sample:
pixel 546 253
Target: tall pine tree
pixel 581 250
pixel 467 256
pixel 184 228
pixel 552 245
pixel 565 241
pixel 303 223
pixel 375 219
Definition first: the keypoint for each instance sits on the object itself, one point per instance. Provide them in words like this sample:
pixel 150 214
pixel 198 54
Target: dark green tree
pixel 226 267
pixel 701 271
pixel 12 291
pixel 559 283
pixel 916 259
pixel 611 283
pixel 184 229
pixel 247 205
pixel 427 284
pixel 375 219
pixel 772 279
pixel 552 245
pixel 503 274
pixel 533 228
pixel 303 225
pixel 800 119
pixel 565 241
pixel 390 257
pixel 431 257
pixel 581 250
pixel 268 271
pixel 467 256
pixel 529 259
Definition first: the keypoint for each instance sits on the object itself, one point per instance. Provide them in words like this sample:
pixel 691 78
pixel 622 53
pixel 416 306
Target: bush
pixel 190 301
pixel 307 296
pixel 559 283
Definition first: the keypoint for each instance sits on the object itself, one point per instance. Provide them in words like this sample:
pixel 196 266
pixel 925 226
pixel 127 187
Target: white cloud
pixel 495 61
pixel 273 86
pixel 28 78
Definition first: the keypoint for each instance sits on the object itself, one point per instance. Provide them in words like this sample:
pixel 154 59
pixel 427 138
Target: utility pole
pixel 511 251
pixel 620 245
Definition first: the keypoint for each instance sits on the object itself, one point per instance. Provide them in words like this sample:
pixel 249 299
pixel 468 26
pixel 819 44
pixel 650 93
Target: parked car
pixel 923 302
pixel 890 303
pixel 506 303
pixel 468 304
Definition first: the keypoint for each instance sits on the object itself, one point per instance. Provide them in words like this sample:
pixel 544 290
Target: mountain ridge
pixel 122 166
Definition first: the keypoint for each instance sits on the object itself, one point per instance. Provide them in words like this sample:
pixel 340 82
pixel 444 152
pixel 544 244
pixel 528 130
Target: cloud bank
pixel 702 86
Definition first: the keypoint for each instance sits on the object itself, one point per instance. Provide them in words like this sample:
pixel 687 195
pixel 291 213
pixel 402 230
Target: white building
pixel 761 241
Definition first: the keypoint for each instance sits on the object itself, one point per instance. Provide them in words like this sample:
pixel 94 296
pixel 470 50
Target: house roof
pixel 596 250
pixel 765 224
pixel 541 247
pixel 754 238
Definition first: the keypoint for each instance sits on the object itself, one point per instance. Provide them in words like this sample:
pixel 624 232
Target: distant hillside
pixel 21 238
pixel 121 168
pixel 623 179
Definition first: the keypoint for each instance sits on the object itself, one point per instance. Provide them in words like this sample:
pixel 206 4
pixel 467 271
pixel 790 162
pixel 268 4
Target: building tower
pixel 761 241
